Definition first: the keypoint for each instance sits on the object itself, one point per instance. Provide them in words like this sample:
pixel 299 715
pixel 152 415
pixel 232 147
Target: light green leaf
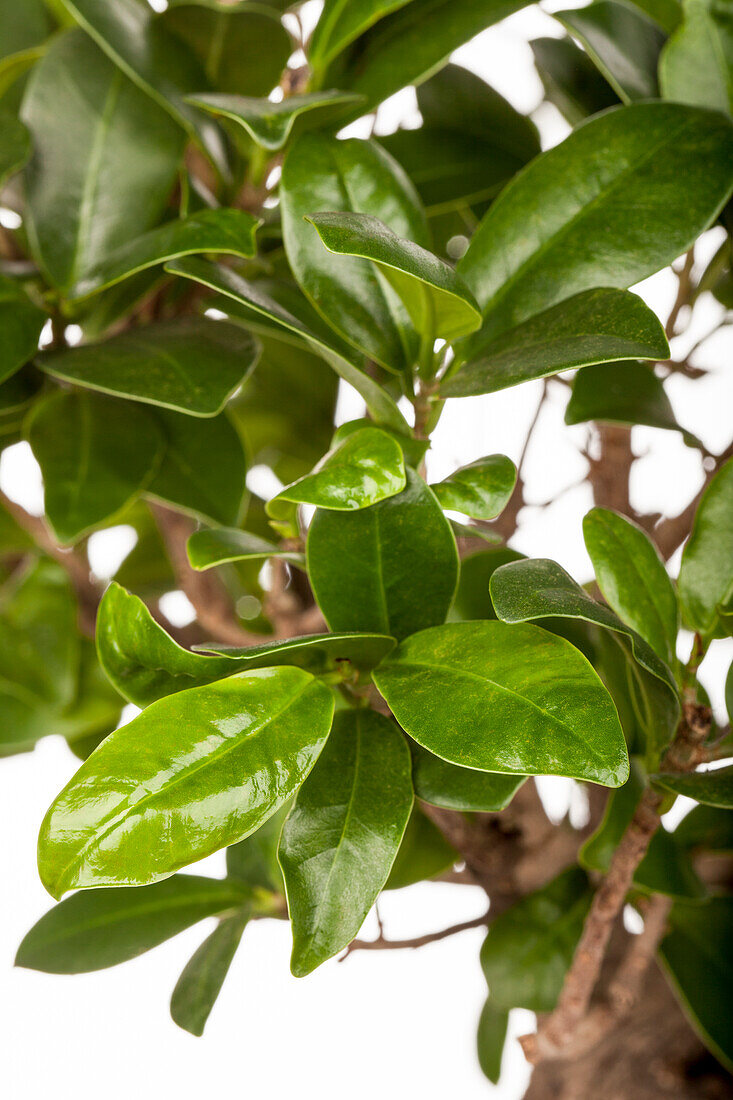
pixel 192 364
pixel 633 579
pixel 391 568
pixel 318 653
pixel 20 327
pixel 595 326
pixel 343 833
pixel 340 23
pixel 207 548
pixel 15 145
pixel 480 490
pixel 706 573
pixel 96 455
pixel 226 231
pixel 100 928
pixel 624 44
pixel 204 974
pixel 457 788
pixel 570 79
pixel 696 65
pixel 529 948
pixel 193 773
pixel 714 788
pixel 106 174
pixel 272 125
pixel 490 1039
pixel 501 698
pixel 535 247
pixel 434 296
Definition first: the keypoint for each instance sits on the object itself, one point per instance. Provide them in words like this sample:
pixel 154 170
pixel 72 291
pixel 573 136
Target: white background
pixel 381 1022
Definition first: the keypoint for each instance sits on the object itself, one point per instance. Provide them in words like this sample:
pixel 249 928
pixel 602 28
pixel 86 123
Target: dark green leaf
pixel 713 788
pixel 481 490
pixel 192 364
pixel 254 860
pixel 633 579
pixel 696 65
pixel 529 947
pixel 472 600
pixel 706 573
pixel 225 544
pixel 570 79
pixel 343 833
pixel 424 853
pixel 272 125
pixel 204 974
pixel 706 827
pixel 698 957
pixel 596 326
pixel 501 698
pixel 391 568
pixel 15 145
pixel 340 23
pixel 20 327
pixel 624 43
pixel 535 247
pixel 318 653
pixel 321 173
pixel 667 13
pixel 106 174
pixel 490 1040
pixel 193 773
pixel 100 928
pixel 456 788
pixel 96 454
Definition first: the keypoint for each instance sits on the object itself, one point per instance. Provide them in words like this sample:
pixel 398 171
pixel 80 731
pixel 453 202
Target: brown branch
pixel 684 290
pixel 625 987
pixel 609 474
pixel 382 944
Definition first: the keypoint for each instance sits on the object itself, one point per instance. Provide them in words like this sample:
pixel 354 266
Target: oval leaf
pixel 481 490
pixel 624 43
pixel 714 788
pixel 203 976
pixel 455 788
pixel 208 548
pixel 706 572
pixel 270 124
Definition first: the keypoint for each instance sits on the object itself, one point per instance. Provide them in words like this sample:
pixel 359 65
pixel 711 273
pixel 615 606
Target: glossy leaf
pixel 713 788
pixel 633 579
pixel 204 974
pixel 192 365
pixel 492 1028
pixel 15 145
pixel 503 698
pixel 100 928
pixel 316 652
pixel 207 548
pixel 455 788
pixel 570 79
pixel 203 467
pixel 535 246
pixel 343 833
pixel 596 326
pixel 106 174
pixel 529 947
pixel 414 450
pixel 96 455
pixel 366 468
pixel 432 293
pixel 223 230
pixel 424 853
pixel 390 568
pixel 193 773
pixel 340 23
pixel 625 393
pixel 271 124
pixel 229 283
pixel 322 173
pixel 20 327
pixel 698 956
pixel 624 43
pixel 696 65
pixel 480 490
pixel 706 573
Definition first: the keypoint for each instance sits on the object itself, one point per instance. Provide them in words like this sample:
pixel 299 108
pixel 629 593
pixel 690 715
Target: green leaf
pixel 413 450
pixel 570 79
pixel 96 454
pixel 203 468
pixel 698 957
pixel 625 393
pixel 100 928
pixel 529 948
pixel 26 30
pixel 713 788
pixel 204 974
pixel 132 37
pixel 473 600
pixel 696 65
pixel 363 470
pixel 632 577
pixel 226 231
pixel 667 13
pixel 208 548
pixel 706 827
pixel 535 247
pixel 106 174
pixel 254 860
pixel 193 773
pixel 319 653
pixel 20 327
pixel 706 573
pixel 411 43
pixel 343 833
pixel 595 326
pixel 434 296
pixel 391 568
pixel 272 125
pixel 15 145
pixel 242 47
pixel 456 788
pixel 483 141
pixel 340 23
pixel 492 1026
pixel 501 698
pixel 322 173
pixel 480 490
pixel 141 659
pixel 624 44
pixel 229 283
pixel 424 853
pixel 192 364
pixel 666 868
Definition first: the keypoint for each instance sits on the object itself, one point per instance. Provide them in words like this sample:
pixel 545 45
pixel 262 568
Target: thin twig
pixel 684 289
pixel 382 944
